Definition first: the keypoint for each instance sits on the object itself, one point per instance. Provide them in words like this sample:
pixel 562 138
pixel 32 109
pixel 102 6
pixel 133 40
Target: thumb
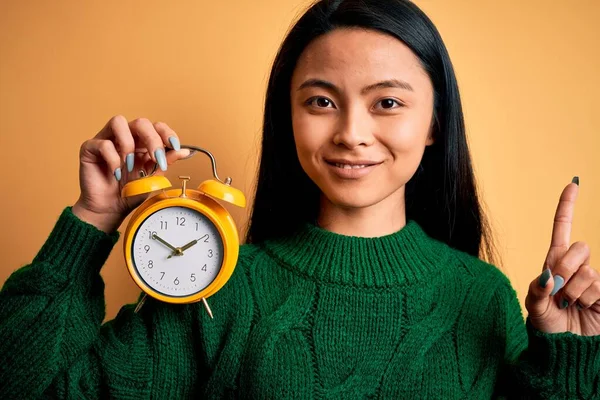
pixel 538 298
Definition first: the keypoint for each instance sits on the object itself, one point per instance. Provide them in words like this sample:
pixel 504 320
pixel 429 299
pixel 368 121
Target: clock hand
pixel 190 244
pixel 175 250
pixel 183 248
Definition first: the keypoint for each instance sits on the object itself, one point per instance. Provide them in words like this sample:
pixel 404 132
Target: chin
pixel 360 192
pixel 352 197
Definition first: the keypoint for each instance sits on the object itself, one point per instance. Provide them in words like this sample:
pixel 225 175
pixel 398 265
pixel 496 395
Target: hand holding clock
pixel 105 202
pixel 112 158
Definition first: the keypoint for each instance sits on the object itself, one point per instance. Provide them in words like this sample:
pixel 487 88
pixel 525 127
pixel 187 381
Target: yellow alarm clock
pixel 181 245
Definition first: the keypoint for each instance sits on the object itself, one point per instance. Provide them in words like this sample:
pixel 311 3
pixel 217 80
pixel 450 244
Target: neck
pixel 380 219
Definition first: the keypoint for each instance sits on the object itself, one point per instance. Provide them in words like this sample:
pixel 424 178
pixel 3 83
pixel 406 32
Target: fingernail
pixel 118 174
pixel 579 307
pixel 160 158
pixel 576 180
pixel 545 277
pixel 130 161
pixel 559 281
pixel 564 304
pixel 175 143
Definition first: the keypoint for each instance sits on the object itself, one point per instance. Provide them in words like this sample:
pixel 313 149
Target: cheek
pixel 406 141
pixel 310 133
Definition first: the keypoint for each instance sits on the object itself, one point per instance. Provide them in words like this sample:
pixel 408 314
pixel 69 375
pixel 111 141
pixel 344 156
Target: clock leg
pixel 141 303
pixel 207 307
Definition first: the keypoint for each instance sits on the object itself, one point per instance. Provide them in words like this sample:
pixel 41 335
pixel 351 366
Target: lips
pixel 351 169
pixel 351 164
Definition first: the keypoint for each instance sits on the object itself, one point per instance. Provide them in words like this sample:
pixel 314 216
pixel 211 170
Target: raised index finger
pixel 563 219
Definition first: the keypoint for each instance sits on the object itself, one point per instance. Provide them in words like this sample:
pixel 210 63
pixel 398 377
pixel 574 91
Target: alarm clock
pixel 181 245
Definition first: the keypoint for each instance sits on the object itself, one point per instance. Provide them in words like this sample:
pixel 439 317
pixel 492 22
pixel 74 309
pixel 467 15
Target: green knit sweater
pixel 315 316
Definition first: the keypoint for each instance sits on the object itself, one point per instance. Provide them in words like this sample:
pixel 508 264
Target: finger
pixel 138 162
pixel 579 283
pixel 117 129
pixel 147 164
pixel 101 150
pixel 577 256
pixel 173 156
pixel 151 140
pixel 563 218
pixel 538 296
pixel 591 296
pixel 168 135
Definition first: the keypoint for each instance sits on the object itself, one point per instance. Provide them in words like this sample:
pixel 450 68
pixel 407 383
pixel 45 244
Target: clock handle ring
pixel 193 151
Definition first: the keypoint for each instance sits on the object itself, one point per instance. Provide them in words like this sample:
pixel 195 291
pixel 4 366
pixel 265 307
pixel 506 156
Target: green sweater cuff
pixel 75 249
pixel 566 360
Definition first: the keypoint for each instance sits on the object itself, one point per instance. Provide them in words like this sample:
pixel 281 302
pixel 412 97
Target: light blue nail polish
pixel 130 161
pixel 118 174
pixel 161 159
pixel 175 143
pixel 558 284
pixel 544 278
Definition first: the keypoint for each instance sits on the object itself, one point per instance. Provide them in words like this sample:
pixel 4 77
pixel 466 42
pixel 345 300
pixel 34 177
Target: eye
pixel 388 104
pixel 321 102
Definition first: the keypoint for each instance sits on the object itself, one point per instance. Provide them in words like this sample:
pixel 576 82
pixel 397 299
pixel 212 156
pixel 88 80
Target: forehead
pixel 352 53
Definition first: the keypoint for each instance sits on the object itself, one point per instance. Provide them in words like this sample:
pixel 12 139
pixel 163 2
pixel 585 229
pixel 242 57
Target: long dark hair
pixel 442 195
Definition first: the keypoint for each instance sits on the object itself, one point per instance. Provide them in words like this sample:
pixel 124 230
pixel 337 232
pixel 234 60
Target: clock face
pixel 177 251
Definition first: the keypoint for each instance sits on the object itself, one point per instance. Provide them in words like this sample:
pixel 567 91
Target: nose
pixel 354 129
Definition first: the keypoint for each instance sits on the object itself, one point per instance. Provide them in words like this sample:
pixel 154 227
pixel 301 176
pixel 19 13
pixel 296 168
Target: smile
pixel 351 169
pixel 350 166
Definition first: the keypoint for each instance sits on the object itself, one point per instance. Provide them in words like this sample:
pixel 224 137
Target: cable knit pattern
pixel 314 316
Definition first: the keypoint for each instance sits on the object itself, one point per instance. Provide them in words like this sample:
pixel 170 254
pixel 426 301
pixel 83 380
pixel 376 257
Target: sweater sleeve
pixel 51 311
pixel 546 366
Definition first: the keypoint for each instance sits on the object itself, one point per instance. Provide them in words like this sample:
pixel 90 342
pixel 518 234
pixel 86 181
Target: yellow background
pixel 528 73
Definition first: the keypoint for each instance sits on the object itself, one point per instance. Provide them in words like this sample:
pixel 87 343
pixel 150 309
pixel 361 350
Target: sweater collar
pixel 405 257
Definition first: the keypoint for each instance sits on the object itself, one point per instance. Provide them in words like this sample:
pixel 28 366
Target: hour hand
pixel 183 248
pixel 156 237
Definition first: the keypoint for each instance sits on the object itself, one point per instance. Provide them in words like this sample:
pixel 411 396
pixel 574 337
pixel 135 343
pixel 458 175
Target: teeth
pixel 348 166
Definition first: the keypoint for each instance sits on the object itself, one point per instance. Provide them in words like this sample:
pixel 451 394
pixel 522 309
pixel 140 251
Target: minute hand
pixel 190 244
pixel 179 251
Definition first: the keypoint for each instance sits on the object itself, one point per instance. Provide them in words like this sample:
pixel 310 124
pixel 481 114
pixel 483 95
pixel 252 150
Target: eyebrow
pixel 390 83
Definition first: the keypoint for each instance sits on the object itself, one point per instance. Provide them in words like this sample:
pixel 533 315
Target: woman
pixel 360 277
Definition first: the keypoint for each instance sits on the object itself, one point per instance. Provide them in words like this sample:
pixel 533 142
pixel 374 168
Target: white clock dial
pixel 168 271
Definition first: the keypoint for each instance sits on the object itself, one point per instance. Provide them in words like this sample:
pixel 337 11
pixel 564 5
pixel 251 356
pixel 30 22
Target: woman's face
pixel 361 112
